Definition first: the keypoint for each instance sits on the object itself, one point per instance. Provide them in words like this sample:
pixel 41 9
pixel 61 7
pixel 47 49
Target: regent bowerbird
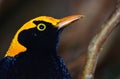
pixel 33 51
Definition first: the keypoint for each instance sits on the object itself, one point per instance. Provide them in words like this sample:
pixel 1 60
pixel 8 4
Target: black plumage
pixel 40 61
pixel 33 51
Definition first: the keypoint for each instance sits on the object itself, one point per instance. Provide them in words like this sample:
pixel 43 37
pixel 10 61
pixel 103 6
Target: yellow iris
pixel 41 27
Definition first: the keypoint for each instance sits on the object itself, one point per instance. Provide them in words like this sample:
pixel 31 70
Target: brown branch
pixel 97 43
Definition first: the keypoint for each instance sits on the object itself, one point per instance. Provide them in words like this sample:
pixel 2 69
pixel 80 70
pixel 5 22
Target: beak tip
pixel 82 16
pixel 79 16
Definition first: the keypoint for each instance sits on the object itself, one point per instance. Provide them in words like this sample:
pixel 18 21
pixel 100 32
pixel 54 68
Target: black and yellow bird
pixel 33 50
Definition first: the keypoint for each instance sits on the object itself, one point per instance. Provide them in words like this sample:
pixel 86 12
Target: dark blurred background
pixel 74 39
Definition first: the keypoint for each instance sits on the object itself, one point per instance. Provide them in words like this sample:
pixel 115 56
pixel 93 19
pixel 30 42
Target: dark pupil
pixel 41 27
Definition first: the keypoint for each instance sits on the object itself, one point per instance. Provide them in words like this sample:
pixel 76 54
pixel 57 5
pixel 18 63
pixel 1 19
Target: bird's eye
pixel 41 27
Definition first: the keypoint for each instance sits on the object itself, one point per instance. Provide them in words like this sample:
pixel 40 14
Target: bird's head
pixel 39 33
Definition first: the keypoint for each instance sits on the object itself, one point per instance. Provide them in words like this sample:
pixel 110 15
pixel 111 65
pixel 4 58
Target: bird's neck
pixel 42 51
pixel 43 48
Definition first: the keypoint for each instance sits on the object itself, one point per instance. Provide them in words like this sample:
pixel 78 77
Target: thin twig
pixel 97 42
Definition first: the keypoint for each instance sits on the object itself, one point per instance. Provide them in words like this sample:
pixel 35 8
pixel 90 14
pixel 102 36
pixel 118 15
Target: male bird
pixel 33 51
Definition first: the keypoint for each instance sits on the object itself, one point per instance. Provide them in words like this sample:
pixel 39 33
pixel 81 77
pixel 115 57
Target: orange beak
pixel 68 20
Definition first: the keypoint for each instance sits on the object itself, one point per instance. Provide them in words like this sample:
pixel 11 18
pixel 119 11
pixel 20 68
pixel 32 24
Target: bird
pixel 33 54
